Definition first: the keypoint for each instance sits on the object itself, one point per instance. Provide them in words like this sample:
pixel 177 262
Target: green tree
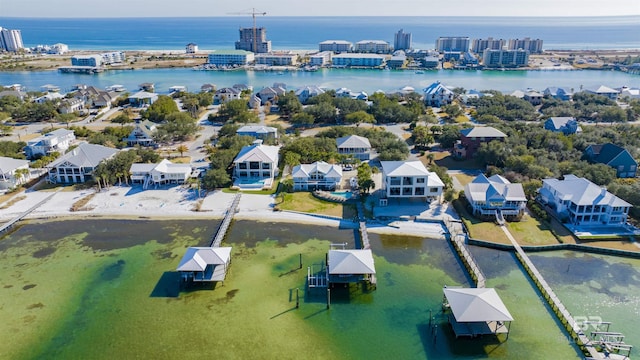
pixel 302 119
pixel 360 117
pixel 421 136
pixel 160 109
pixel 122 119
pixel 365 180
pixel 289 104
pixel 216 178
pixel 178 126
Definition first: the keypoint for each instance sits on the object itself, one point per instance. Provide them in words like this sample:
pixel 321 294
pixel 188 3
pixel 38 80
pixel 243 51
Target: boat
pixel 116 88
pixel 419 72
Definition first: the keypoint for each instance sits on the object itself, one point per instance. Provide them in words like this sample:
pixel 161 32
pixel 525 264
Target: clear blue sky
pixel 180 8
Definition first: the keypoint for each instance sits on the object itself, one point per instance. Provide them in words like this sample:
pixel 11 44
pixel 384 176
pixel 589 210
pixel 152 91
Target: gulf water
pixel 575 33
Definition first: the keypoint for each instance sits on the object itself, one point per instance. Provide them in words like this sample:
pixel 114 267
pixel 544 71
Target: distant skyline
pixel 206 8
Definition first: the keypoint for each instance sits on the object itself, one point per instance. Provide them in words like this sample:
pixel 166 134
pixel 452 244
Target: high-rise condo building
pixel 505 58
pixel 533 46
pixel 10 40
pixel 337 46
pixel 247 41
pixel 402 41
pixel 478 46
pixel 453 43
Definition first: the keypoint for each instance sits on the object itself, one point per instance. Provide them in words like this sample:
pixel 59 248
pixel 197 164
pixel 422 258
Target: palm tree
pixel 182 149
pixel 431 157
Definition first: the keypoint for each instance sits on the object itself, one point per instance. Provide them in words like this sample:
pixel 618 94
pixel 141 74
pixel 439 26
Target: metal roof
pixel 476 304
pixel 351 262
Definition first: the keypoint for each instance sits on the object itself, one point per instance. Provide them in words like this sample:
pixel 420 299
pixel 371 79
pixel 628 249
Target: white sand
pixel 178 202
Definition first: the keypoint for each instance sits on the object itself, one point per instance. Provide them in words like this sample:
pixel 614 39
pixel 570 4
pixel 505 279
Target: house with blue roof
pixel 615 156
pixel 565 124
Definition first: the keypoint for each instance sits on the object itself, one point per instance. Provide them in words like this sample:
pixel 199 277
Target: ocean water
pixel 105 289
pixel 576 33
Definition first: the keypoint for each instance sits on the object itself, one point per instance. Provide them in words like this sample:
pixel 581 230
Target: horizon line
pixel 320 16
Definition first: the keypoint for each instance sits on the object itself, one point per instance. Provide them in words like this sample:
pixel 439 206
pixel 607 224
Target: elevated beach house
pixel 495 196
pixel 55 141
pixel 355 146
pixel 142 134
pixel 565 124
pixel 142 98
pixel 410 180
pixel 258 132
pixel 164 172
pixel 256 166
pixel 77 165
pixel 580 202
pixel 614 156
pixel 471 138
pixel 438 95
pixel 317 176
pixel 13 172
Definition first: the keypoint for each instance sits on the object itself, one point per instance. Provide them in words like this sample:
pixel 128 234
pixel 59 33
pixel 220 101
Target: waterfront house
pixel 317 176
pixel 71 105
pixel 10 172
pixel 354 146
pixel 142 98
pixel 410 180
pixel 629 93
pixel 256 166
pixel 495 195
pixel 208 88
pixel 17 93
pixel 57 140
pixel 533 97
pixel 205 264
pixel 270 94
pixel 77 165
pixel 191 48
pixel 254 102
pixel 307 92
pixel 438 95
pixel 94 97
pixel 50 96
pixel 259 132
pixel 142 134
pixel 558 93
pixel 565 124
pixel 615 156
pixel 471 138
pixel 580 202
pixel 604 91
pixel 164 172
pixel 226 94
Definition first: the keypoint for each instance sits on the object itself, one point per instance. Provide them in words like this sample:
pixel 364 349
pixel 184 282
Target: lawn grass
pixel 444 158
pixel 306 202
pixel 463 178
pixel 530 231
pixel 461 119
pixel 480 230
pixel 271 191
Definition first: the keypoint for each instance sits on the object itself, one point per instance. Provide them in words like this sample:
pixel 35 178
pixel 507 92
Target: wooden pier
pixel 362 229
pixel 226 222
pixel 457 237
pixel 13 221
pixel 567 320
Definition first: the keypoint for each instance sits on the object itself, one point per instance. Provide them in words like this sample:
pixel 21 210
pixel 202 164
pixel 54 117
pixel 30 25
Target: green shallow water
pixel 107 289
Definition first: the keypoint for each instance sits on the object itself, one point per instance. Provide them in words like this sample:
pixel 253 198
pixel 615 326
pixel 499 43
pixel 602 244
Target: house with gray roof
pixel 490 196
pixel 615 156
pixel 271 93
pixel 604 91
pixel 355 146
pixel 559 93
pixel 10 175
pixel 317 176
pixel 256 166
pixel 438 95
pixel 565 124
pixel 226 94
pixel 307 92
pixel 142 134
pixel 581 203
pixel 142 98
pixel 77 165
pixel 164 172
pixel 206 264
pixel 258 132
pixel 471 138
pixel 410 180
pixel 57 140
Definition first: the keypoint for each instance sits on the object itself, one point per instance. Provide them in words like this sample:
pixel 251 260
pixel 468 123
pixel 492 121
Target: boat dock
pixel 226 222
pixel 362 229
pixel 455 234
pixel 13 221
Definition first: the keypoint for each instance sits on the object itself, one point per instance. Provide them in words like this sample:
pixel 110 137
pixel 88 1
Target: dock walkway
pixel 226 222
pixel 12 222
pixel 364 234
pixel 457 237
pixel 563 314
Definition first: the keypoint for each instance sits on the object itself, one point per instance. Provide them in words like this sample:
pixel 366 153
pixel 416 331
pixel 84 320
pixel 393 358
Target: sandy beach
pixel 178 202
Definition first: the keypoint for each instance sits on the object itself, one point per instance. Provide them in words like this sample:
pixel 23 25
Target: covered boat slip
pixel 347 266
pixel 205 263
pixel 476 312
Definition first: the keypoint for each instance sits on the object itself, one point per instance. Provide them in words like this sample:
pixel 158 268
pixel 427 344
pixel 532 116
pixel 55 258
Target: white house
pixel 438 95
pixel 55 141
pixel 580 202
pixel 488 196
pixel 258 132
pixel 256 166
pixel 8 169
pixel 357 146
pixel 77 165
pixel 164 172
pixel 307 92
pixel 142 134
pixel 316 176
pixel 410 179
pixel 226 94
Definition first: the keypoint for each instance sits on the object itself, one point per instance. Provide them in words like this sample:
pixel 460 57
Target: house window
pixel 266 174
pixel 394 191
pixel 419 191
pixel 406 191
pixel 395 181
pixel 243 174
pixel 433 190
pixel 420 181
pixel 254 165
pixel 621 168
pixel 266 166
pixel 242 166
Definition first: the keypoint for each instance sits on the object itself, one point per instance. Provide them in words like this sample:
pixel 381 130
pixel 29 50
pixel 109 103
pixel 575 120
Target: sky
pixel 206 8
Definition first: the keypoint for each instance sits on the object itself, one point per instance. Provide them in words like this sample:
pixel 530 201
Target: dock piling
pixel 328 298
pixel 297 299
